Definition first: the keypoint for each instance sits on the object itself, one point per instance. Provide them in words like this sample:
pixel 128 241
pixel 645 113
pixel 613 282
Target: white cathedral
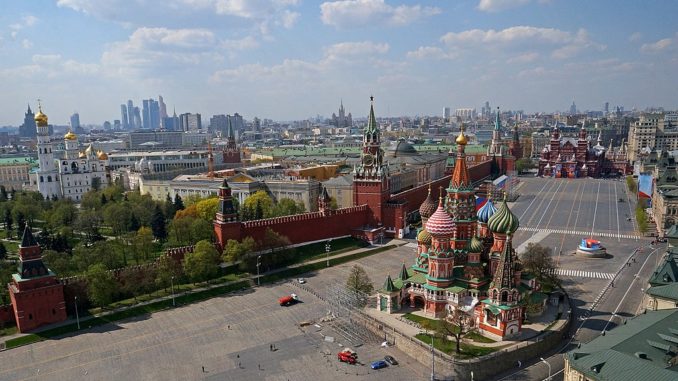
pixel 72 175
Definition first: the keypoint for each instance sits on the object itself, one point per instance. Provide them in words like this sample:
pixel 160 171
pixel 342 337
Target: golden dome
pixel 101 155
pixel 40 118
pixel 70 135
pixel 461 139
pixel 81 155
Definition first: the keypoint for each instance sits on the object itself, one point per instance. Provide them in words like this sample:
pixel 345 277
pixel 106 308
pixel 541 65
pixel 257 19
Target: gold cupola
pixel 70 135
pixel 461 139
pixel 40 118
pixel 82 155
pixel 101 155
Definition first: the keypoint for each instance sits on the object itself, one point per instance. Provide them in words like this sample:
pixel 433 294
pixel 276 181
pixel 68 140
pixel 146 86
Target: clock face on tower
pixel 368 159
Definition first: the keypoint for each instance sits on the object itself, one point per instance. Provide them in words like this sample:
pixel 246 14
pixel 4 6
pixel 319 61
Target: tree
pixel 8 222
pixel 169 207
pixel 100 285
pixel 287 207
pixel 142 243
pixel 207 208
pixel 167 269
pixel 524 164
pixel 537 260
pixel 273 241
pixel 96 183
pixel 158 224
pixel 178 203
pixel 91 200
pixel 359 282
pixel 3 193
pixel 118 216
pixel 3 251
pixel 333 203
pixel 60 263
pixel 202 263
pixel 201 230
pixel 456 324
pixel 181 230
pixel 257 206
pixel 89 222
pixel 63 213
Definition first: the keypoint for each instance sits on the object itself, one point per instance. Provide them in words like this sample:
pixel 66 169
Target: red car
pixel 347 356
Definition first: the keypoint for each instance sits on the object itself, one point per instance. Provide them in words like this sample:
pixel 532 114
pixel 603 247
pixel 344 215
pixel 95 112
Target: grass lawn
pixel 450 347
pixel 430 324
pixel 8 330
pixel 132 312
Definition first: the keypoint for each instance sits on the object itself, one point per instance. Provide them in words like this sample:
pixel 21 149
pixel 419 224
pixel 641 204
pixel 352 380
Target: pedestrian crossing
pixel 584 274
pixel 582 233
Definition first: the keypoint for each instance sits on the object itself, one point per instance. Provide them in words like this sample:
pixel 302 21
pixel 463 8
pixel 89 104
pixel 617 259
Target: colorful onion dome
pixel 440 223
pixel 70 135
pixel 503 221
pixel 82 155
pixel 428 207
pixel 486 212
pixel 424 237
pixel 475 245
pixel 101 155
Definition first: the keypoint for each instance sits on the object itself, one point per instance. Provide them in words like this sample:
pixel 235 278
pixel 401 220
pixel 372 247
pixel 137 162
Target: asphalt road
pixel 565 211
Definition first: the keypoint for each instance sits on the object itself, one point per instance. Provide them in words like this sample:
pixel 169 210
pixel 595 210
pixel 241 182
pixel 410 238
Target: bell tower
pixel 370 177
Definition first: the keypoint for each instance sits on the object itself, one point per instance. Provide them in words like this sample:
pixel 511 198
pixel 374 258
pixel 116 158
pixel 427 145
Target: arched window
pixel 504 296
pixel 42 180
pixel 49 179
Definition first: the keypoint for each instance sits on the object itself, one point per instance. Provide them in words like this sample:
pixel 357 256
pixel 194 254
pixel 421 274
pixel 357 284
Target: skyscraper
pixel 219 123
pixel 237 122
pixel 137 118
pixel 75 121
pixel 256 125
pixel 446 113
pixel 573 109
pixel 131 120
pixel 28 129
pixel 190 122
pixel 163 107
pixel 151 114
pixel 123 117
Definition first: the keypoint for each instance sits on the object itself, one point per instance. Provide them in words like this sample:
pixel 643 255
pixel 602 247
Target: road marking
pixel 583 274
pixel 580 233
pixel 617 209
pixel 595 211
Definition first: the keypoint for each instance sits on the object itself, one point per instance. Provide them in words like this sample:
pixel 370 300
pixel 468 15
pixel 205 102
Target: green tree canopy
pixel 203 263
pixel 358 281
pixel 101 285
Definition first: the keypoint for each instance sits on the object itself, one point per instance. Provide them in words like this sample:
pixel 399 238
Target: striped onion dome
pixel 503 221
pixel 486 212
pixel 440 223
pixel 428 207
pixel 475 245
pixel 424 236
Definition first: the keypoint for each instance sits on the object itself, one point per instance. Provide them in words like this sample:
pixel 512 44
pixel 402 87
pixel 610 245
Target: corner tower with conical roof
pixel 370 177
pixel 36 294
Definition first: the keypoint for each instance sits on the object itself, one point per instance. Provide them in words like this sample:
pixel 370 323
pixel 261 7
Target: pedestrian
pixel 203 369
pixel 239 365
pixel 237 355
pixel 259 366
pixel 270 348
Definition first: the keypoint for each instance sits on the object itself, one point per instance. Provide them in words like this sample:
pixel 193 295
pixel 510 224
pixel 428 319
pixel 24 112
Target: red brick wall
pixel 309 226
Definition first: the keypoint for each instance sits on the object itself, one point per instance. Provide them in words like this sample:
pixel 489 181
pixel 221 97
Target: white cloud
pixel 29 20
pixel 500 5
pixel 566 44
pixel 356 48
pixel 636 36
pixel 50 66
pixel 26 22
pixel 26 44
pixel 524 58
pixel 424 52
pixel 245 43
pixel 658 46
pixel 346 13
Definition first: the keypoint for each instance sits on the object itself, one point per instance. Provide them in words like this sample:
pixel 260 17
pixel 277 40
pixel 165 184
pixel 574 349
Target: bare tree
pixel 456 324
pixel 538 261
pixel 359 282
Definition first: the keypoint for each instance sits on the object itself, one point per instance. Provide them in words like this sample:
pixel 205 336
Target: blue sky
pixel 290 59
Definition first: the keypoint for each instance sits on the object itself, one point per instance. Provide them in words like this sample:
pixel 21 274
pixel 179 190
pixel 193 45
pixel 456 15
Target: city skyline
pixel 288 59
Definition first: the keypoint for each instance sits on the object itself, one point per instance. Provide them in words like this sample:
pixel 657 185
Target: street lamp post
pixel 547 364
pixel 433 360
pixel 328 247
pixel 258 264
pixel 77 318
pixel 174 304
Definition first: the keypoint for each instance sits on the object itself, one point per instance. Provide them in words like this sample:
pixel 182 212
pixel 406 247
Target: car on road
pixel 378 364
pixel 390 360
pixel 301 280
pixel 347 356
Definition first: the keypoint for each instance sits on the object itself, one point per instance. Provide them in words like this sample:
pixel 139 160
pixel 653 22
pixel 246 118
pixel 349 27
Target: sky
pixel 292 59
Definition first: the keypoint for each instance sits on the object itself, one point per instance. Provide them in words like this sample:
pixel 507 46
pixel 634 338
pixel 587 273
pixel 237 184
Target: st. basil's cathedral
pixel 465 260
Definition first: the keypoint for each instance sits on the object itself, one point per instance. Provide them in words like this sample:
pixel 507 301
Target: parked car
pixel 378 364
pixel 288 300
pixel 301 280
pixel 390 360
pixel 347 356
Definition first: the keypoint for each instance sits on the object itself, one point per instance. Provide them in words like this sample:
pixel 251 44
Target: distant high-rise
pixel 256 125
pixel 171 123
pixel 124 119
pixel 137 118
pixel 190 122
pixel 151 114
pixel 447 113
pixel 131 120
pixel 606 109
pixel 75 121
pixel 237 122
pixel 28 129
pixel 573 109
pixel 116 125
pixel 163 107
pixel 219 123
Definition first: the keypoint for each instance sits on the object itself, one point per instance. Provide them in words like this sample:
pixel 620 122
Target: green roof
pixel 667 272
pixel 388 285
pixel 641 349
pixel 667 291
pixel 417 277
pixel 455 289
pixel 18 160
